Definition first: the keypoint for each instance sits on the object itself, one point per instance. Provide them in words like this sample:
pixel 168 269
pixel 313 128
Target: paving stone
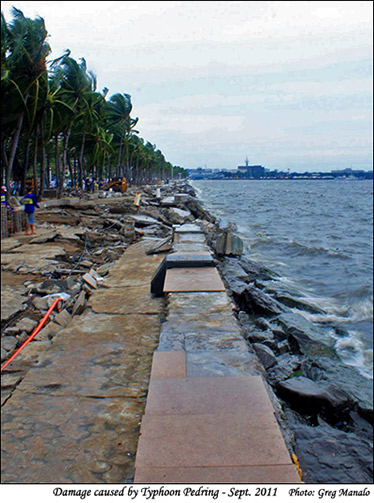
pixel 193 280
pixel 210 440
pixel 189 247
pixel 168 364
pixel 189 238
pixel 187 228
pixel 185 303
pixel 209 395
pixel 270 474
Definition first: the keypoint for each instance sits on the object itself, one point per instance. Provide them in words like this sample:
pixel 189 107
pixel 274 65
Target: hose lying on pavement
pixel 34 333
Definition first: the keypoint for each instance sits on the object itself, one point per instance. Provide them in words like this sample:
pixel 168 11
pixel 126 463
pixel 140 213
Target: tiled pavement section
pixel 75 416
pixel 208 417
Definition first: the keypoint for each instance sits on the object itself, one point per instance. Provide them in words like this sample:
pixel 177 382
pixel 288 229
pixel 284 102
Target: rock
pixel 177 216
pixel 304 337
pixel 181 198
pixel 22 337
pixel 309 397
pixel 144 220
pixel 40 303
pixel 254 301
pixel 4 355
pixel 234 274
pixel 79 304
pixel 265 355
pixel 168 201
pixel 289 301
pixel 105 268
pixel 228 244
pixel 9 343
pixel 12 331
pixel 55 285
pixel 256 271
pixel 331 456
pixel 260 337
pixel 283 347
pixel 26 324
pixel 198 211
pixel 63 318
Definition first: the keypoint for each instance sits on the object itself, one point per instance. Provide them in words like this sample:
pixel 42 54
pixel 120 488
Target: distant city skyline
pixel 288 84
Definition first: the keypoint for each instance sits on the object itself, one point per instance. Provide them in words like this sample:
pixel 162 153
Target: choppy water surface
pixel 317 237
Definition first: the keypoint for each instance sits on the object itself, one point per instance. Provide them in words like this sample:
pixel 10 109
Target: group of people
pixel 92 184
pixel 30 203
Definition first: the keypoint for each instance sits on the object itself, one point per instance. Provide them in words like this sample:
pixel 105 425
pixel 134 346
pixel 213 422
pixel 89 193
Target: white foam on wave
pixel 352 351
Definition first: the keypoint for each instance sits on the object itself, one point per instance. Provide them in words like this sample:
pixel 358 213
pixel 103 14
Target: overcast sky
pixel 288 84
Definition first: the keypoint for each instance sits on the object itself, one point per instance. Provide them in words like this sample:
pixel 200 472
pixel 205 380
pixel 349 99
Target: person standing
pixel 4 197
pixel 30 202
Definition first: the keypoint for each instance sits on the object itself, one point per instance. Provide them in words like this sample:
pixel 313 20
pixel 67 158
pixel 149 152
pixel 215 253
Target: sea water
pixel 317 237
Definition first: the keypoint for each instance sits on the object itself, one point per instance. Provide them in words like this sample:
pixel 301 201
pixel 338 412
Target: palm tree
pixel 27 51
pixel 118 110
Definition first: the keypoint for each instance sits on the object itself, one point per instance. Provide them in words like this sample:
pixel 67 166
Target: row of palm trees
pixel 56 124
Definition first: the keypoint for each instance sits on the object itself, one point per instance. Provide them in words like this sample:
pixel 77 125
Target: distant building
pixel 252 171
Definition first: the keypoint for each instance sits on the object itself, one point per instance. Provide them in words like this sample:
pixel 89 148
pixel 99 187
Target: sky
pixel 287 84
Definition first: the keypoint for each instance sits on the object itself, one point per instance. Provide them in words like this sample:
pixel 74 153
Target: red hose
pixel 34 333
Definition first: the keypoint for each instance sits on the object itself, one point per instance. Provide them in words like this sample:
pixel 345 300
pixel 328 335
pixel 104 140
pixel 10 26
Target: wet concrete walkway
pixel 208 417
pixel 75 416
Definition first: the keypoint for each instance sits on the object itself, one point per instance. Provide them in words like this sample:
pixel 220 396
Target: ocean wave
pixel 353 352
pixel 314 250
pixel 355 313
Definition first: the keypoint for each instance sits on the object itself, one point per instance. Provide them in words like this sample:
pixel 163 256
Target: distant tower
pixel 246 162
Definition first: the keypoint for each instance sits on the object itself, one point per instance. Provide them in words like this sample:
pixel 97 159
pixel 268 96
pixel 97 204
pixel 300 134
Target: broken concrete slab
pixel 90 281
pixel 63 318
pixel 178 260
pixel 79 304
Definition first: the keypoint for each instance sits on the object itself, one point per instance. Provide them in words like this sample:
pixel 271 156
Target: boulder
pixel 310 397
pixel 4 355
pixel 27 324
pixel 254 301
pixel 331 456
pixel 9 343
pixel 265 355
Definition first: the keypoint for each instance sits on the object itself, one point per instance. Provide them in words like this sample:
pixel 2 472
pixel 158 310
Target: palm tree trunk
pixel 35 159
pixel 57 167
pixel 13 150
pixel 42 161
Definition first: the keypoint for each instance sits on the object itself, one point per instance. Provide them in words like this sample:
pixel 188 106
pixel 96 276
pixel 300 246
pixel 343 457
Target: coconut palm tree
pixel 26 53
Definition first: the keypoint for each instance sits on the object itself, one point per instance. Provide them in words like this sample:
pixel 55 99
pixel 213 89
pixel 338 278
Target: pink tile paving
pixel 273 474
pixel 210 440
pixel 209 395
pixel 168 364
